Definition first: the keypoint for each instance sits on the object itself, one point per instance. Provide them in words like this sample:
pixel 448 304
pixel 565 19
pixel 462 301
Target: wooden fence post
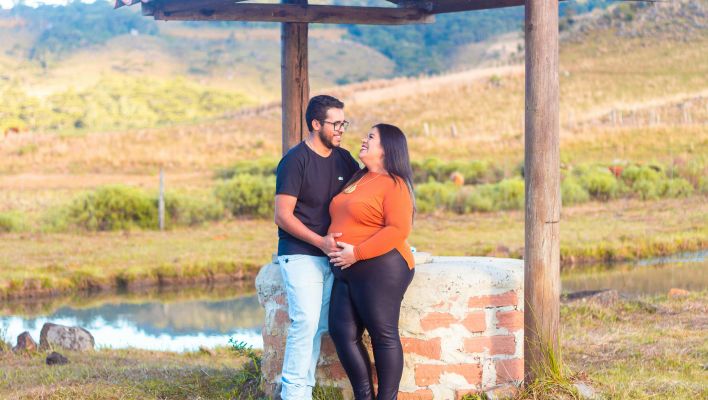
pixel 542 176
pixel 295 84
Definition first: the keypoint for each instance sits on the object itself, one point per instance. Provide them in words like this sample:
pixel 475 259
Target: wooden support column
pixel 294 80
pixel 542 175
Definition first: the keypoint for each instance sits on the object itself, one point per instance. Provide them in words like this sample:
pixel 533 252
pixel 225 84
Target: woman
pixel 372 271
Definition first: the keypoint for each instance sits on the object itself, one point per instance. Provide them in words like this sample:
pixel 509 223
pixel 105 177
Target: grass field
pixel 593 232
pixel 615 107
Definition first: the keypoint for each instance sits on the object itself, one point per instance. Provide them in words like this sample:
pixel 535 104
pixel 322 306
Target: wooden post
pixel 295 84
pixel 542 175
pixel 161 201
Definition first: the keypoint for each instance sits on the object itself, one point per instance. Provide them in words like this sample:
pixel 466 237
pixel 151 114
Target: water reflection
pixel 158 321
pixel 184 319
pixel 646 277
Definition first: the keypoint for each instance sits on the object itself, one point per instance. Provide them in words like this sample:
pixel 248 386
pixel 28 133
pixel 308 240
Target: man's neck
pixel 317 146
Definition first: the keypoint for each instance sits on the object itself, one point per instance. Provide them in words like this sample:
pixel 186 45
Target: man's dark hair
pixel 318 106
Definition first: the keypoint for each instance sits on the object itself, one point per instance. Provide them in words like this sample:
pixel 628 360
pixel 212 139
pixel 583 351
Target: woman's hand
pixel 343 258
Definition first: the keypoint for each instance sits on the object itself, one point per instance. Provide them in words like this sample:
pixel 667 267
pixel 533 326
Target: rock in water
pixel 56 359
pixel 25 343
pixel 71 338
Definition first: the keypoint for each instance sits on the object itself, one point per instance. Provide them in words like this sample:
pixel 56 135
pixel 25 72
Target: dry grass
pixel 120 374
pixel 650 348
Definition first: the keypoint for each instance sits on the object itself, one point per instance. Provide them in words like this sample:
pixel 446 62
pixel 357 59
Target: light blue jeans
pixel 308 283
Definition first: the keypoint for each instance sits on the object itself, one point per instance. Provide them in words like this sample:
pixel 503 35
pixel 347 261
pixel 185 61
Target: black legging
pixel 368 295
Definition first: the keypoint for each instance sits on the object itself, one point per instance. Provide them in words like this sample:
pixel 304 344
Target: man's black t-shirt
pixel 314 180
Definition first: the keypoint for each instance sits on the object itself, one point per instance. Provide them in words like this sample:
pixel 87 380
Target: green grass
pixel 232 250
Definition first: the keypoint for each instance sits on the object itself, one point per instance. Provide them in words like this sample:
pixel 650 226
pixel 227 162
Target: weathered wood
pixel 230 11
pixel 542 175
pixel 294 81
pixel 161 202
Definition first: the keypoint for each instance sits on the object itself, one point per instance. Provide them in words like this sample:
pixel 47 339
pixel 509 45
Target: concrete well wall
pixel 461 328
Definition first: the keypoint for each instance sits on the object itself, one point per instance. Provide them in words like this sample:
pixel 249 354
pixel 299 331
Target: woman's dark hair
pixel 396 160
pixel 318 106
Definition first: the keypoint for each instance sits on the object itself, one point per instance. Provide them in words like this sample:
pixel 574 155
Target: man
pixel 308 177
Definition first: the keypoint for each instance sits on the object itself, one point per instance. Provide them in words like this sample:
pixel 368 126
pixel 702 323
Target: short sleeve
pixel 289 175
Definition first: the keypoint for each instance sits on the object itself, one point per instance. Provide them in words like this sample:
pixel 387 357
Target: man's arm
pixel 286 220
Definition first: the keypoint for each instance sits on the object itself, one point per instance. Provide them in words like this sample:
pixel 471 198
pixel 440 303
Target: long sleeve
pixel 397 211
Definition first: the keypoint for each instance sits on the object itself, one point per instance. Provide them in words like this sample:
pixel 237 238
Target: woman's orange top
pixel 375 218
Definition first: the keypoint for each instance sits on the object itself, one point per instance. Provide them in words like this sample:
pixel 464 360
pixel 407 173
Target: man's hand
pixel 343 258
pixel 329 243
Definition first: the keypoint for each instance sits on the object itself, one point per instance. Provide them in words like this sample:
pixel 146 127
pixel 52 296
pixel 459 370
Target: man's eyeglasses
pixel 338 125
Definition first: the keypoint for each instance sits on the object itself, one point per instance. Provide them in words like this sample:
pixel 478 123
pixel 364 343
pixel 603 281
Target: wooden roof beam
pixel 450 6
pixel 219 10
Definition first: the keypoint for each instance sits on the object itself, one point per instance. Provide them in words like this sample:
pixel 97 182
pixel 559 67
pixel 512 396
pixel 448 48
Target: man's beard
pixel 326 141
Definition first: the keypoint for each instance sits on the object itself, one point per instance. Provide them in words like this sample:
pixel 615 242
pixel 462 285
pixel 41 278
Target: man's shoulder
pixel 297 151
pixel 296 154
pixel 344 153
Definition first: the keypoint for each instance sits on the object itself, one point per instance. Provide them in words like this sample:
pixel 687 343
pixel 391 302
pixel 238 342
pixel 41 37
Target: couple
pixel 342 251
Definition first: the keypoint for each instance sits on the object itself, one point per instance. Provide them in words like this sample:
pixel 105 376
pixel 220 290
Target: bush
pixel 184 209
pixel 113 207
pixel 433 196
pixel 248 195
pixel 262 167
pixel 600 183
pixel 634 173
pixel 11 221
pixel 509 194
pixel 678 187
pixel 479 201
pixel 440 171
pixel 572 192
pixel 647 189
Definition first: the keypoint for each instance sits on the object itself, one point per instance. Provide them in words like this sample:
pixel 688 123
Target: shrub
pixel 572 192
pixel 509 194
pixel 113 207
pixel 678 187
pixel 11 221
pixel 432 196
pixel 262 167
pixel 474 171
pixel 248 195
pixel 634 173
pixel 647 189
pixel 600 183
pixel 185 209
pixel 480 201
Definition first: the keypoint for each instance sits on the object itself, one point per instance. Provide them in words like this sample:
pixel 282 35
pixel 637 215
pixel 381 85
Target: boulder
pixel 56 359
pixel 71 338
pixel 25 343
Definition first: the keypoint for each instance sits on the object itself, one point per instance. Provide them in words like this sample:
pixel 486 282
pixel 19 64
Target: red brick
pixel 509 298
pixel 505 344
pixel 511 320
pixel 327 346
pixel 281 299
pixel 422 394
pixel 282 317
pixel 427 374
pixel 510 370
pixel 475 322
pixel 426 348
pixel 436 320
pixel 273 341
pixel 337 372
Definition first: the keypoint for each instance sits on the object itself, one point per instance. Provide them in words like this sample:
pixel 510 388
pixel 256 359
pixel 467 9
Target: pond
pixel 185 319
